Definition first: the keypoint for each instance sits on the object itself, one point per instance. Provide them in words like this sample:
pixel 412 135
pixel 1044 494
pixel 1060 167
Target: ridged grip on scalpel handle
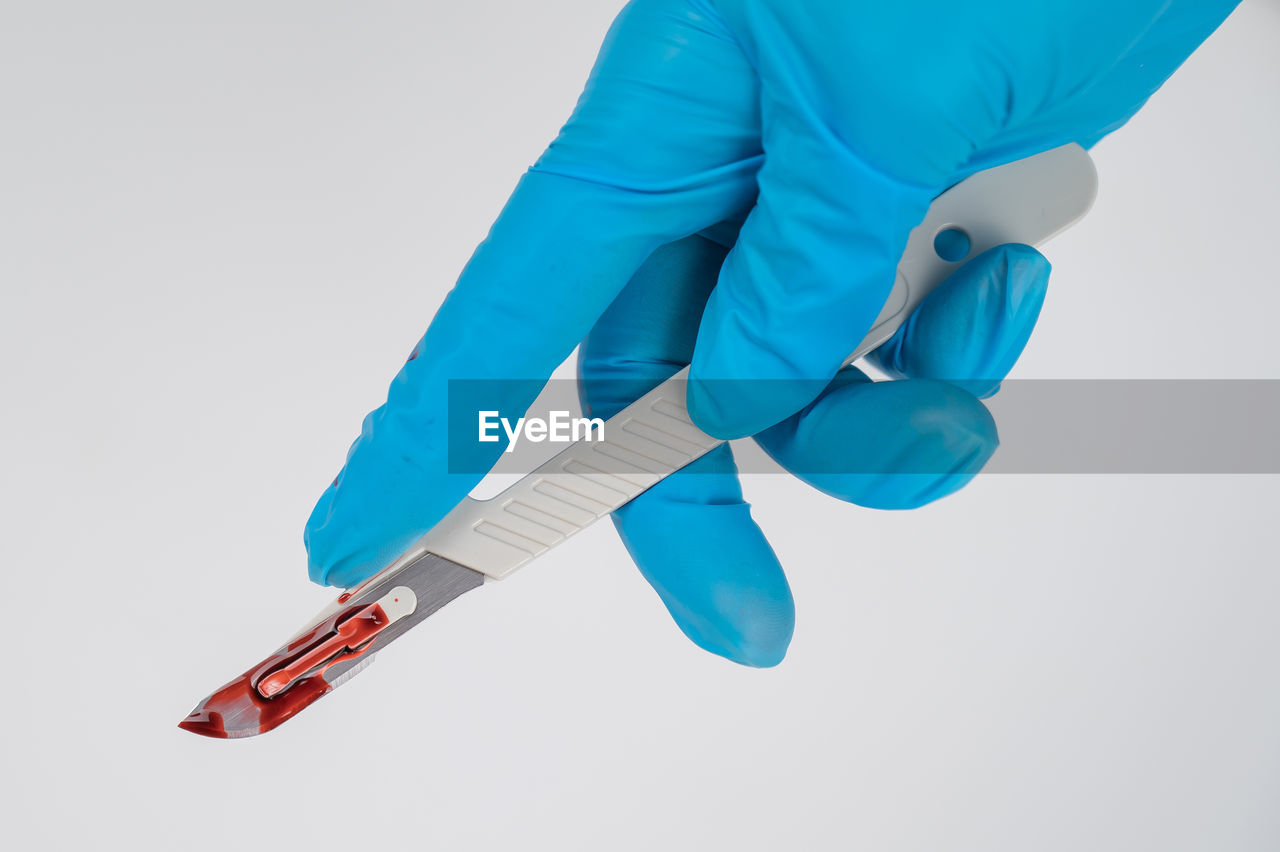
pixel 1027 201
pixel 645 442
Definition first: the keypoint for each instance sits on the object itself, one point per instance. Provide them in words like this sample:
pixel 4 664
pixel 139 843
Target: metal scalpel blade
pixel 339 645
pixel 1023 202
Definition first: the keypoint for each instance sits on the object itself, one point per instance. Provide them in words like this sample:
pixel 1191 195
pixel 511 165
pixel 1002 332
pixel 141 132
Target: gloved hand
pixel 885 445
pixel 823 128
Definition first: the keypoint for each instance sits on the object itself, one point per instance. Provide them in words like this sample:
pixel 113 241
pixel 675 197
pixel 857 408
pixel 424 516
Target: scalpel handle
pixel 1027 201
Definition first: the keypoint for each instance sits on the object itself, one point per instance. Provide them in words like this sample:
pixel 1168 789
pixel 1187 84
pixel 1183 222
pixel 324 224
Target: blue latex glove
pixel 823 128
pixel 887 445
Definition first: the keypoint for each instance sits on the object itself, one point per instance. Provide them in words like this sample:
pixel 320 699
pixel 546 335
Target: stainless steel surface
pixel 434 579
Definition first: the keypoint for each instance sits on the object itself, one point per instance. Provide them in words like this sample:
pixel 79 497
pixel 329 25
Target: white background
pixel 223 226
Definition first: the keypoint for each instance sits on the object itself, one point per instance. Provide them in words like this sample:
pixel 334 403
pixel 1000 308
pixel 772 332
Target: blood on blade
pixel 290 679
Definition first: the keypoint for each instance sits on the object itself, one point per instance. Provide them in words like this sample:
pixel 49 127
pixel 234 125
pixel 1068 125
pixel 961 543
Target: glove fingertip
pixel 695 542
pixel 1026 274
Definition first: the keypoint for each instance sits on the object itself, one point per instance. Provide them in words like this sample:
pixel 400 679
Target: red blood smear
pixel 351 633
pixel 342 636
